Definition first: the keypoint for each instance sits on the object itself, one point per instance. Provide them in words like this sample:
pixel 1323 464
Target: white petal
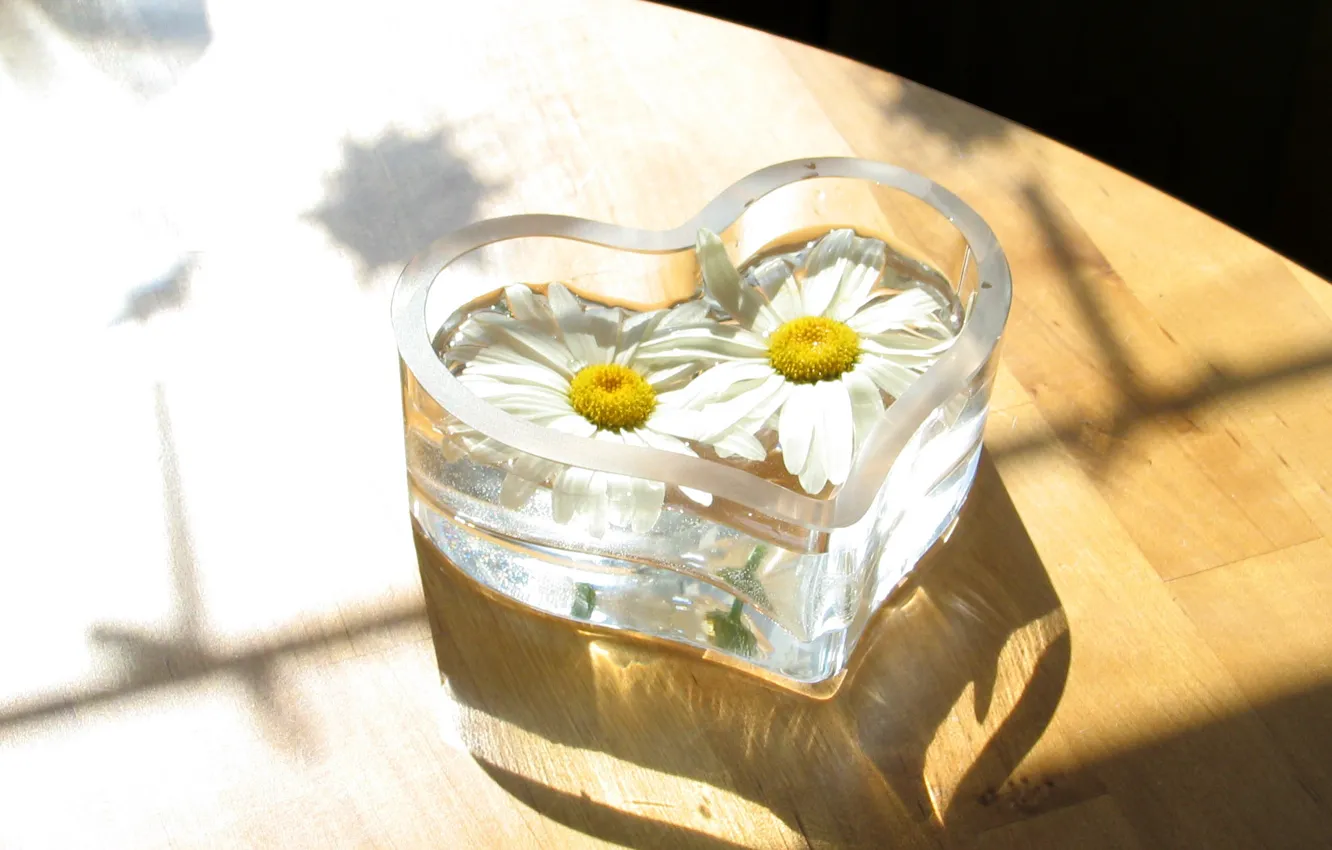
pixel 724 284
pixel 912 306
pixel 662 378
pixel 703 497
pixel 577 492
pixel 606 326
pixel 838 431
pixel 757 418
pixel 502 353
pixel 526 405
pixel 608 437
pixel 548 351
pixel 688 313
pixel 486 450
pixel 817 293
pixel 596 506
pixel 824 267
pixel 769 278
pixel 721 381
pixel 678 422
pixel 572 423
pixel 528 373
pixel 766 320
pixel 769 275
pixel 619 489
pixel 647 497
pixel 720 278
pixel 516 490
pixel 505 396
pixel 589 336
pixel 584 348
pixel 888 376
pixel 528 308
pixel 737 442
pixel 866 267
pixel 795 427
pixel 632 331
pixel 564 502
pixel 538 412
pixel 524 399
pixel 709 342
pixel 813 476
pixel 786 304
pixel 722 416
pixel 536 469
pixel 663 442
pixel 866 403
pixel 563 302
pixel 907 347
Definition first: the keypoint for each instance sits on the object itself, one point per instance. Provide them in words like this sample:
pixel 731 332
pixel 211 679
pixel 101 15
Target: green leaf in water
pixel 746 580
pixel 585 599
pixel 730 633
pixel 755 558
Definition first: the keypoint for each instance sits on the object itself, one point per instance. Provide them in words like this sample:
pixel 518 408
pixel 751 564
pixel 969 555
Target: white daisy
pixel 816 346
pixel 599 373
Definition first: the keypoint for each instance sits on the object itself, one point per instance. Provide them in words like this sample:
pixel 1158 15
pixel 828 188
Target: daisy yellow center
pixel 812 349
pixel 612 397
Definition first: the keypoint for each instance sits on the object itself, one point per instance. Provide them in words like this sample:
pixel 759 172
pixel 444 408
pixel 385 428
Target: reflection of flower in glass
pixel 598 373
pixel 816 347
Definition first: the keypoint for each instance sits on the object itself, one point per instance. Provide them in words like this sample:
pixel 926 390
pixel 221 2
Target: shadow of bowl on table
pixel 580 726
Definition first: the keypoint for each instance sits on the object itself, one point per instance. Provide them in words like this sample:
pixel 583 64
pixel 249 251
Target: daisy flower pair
pixel 805 342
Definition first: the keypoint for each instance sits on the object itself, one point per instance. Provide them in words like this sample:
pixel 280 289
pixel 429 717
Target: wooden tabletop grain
pixel 215 630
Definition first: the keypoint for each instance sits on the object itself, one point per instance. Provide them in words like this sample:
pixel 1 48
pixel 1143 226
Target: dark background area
pixel 1227 108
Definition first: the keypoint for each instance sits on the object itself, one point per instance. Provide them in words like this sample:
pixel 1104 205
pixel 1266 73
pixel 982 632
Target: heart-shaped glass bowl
pixel 765 576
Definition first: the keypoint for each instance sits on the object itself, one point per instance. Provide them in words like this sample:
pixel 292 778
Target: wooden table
pixel 213 626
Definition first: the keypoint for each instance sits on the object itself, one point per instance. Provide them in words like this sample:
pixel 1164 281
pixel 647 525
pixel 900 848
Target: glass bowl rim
pixel 975 344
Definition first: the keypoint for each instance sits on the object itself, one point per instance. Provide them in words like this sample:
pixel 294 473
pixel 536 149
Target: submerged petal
pixel 647 497
pixel 578 492
pixel 516 490
pixel 667 443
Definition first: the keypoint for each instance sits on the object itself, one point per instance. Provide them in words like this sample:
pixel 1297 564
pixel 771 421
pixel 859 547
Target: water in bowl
pixel 789 600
